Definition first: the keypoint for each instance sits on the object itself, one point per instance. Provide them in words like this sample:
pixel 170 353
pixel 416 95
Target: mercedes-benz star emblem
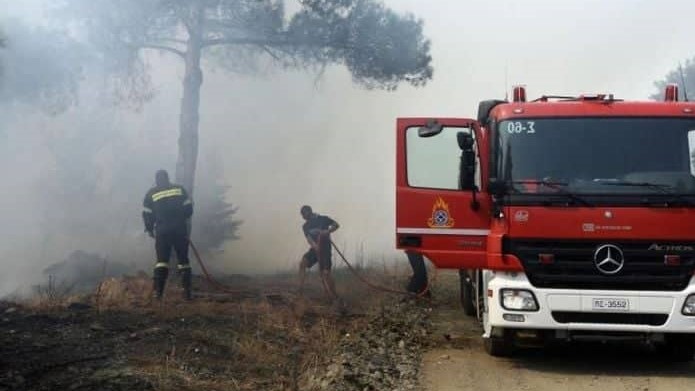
pixel 609 259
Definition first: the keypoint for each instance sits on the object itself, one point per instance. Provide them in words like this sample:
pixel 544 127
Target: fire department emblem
pixel 441 218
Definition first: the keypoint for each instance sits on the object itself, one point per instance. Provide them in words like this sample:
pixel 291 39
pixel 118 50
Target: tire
pixel 499 346
pixel 466 294
pixel 679 347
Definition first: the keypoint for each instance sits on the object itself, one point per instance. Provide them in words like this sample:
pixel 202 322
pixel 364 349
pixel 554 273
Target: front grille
pixel 610 318
pixel 574 267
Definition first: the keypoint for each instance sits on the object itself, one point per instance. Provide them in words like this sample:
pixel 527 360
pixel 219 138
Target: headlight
pixel 524 300
pixel 689 306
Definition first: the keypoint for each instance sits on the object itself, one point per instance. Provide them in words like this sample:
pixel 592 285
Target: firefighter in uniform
pixel 167 210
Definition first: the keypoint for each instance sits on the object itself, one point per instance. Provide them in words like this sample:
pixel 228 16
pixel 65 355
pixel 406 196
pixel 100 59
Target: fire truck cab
pixel 568 218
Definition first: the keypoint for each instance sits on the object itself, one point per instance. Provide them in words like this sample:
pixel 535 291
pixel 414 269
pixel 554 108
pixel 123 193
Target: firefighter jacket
pixel 167 209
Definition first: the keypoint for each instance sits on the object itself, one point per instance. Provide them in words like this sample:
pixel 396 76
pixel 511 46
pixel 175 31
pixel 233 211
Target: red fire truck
pixel 568 218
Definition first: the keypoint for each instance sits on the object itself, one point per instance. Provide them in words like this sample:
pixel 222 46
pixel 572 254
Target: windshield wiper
pixel 560 186
pixel 663 188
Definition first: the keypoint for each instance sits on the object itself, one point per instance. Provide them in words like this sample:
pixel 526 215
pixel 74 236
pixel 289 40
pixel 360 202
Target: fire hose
pixel 226 289
pixel 209 278
pixel 376 287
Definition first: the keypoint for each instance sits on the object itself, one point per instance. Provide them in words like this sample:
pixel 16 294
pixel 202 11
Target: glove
pixel 150 233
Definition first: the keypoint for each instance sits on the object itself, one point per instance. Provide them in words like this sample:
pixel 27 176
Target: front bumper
pixel 571 309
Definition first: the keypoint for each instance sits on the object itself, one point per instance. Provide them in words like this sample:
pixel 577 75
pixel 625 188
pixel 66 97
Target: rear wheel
pixel 680 347
pixel 466 293
pixel 499 346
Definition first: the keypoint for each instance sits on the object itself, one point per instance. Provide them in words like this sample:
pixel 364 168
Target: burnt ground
pixel 74 349
pixel 262 336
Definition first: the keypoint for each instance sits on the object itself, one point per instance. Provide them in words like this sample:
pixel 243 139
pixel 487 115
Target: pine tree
pixel 213 218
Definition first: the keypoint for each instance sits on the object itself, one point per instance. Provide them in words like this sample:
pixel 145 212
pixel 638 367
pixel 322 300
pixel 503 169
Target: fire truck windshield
pixel 597 156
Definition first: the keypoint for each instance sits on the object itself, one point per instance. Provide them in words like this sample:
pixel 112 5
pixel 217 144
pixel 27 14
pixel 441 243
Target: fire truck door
pixel 440 210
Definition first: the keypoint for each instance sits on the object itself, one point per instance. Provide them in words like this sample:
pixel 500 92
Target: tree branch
pixel 164 48
pixel 245 41
pixel 270 53
pixel 172 40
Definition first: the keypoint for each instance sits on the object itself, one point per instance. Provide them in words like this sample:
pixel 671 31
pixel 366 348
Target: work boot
pixel 412 285
pixel 425 293
pixel 159 281
pixel 186 283
pixel 340 307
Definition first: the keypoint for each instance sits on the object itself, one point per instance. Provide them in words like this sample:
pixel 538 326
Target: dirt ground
pixel 457 361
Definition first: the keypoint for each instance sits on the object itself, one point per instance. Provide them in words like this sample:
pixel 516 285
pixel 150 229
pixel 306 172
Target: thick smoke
pixel 74 174
pixel 78 165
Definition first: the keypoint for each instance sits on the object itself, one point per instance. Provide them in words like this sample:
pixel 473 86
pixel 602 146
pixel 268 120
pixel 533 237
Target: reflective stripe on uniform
pixel 159 265
pixel 146 210
pixel 167 193
pixel 188 202
pixel 184 267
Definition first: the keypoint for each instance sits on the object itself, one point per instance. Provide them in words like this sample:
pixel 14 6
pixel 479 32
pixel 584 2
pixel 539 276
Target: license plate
pixel 610 304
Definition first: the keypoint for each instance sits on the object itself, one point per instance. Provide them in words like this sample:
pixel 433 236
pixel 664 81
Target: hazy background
pixel 290 138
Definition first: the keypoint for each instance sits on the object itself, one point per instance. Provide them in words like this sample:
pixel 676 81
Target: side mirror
pixel 465 140
pixel 432 128
pixel 467 165
pixel 497 187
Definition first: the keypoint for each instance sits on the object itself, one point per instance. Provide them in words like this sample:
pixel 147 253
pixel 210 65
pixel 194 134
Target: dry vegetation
pixel 263 337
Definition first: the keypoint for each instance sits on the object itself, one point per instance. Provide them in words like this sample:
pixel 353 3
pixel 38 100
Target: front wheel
pixel 680 347
pixel 499 346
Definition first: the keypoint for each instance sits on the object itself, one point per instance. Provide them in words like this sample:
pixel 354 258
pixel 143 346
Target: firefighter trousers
pixel 418 282
pixel 165 242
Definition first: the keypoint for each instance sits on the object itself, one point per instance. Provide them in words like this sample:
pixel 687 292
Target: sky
pixel 288 138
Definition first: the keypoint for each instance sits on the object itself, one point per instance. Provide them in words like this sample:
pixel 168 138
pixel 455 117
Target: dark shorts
pixel 312 259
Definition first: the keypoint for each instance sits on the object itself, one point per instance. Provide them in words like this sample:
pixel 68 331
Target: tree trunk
pixel 190 105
